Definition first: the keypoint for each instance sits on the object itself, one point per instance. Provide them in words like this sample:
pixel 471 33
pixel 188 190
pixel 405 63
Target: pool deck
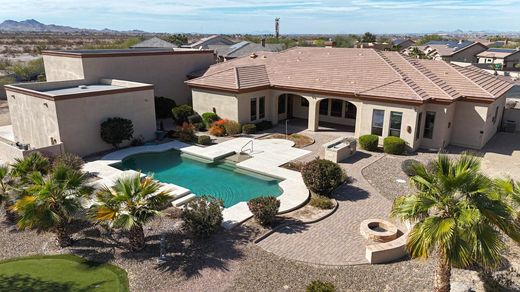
pixel 266 158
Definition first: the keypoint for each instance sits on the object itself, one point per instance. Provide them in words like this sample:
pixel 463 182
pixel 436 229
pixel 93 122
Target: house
pixel 502 59
pixel 65 116
pixel 375 46
pixel 166 69
pixel 402 44
pixel 244 48
pixel 453 51
pixel 154 43
pixel 214 40
pixel 427 103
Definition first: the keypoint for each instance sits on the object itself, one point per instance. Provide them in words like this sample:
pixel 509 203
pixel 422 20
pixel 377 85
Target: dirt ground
pixel 4 113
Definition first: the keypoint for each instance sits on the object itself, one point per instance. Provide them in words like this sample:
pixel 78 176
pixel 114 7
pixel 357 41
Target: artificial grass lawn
pixel 60 273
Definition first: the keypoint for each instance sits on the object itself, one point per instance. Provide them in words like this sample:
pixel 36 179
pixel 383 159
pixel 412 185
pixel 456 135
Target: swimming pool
pixel 220 179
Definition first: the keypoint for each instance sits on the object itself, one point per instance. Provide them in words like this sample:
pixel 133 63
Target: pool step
pixel 177 192
pixel 182 201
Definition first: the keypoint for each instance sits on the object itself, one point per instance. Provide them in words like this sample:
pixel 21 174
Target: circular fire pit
pixel 378 230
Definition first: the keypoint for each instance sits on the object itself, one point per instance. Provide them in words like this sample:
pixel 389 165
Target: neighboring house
pixel 153 43
pixel 402 44
pixel 53 117
pixel 375 46
pixel 244 48
pixel 504 59
pixel 427 103
pixel 166 69
pixel 213 40
pixel 453 51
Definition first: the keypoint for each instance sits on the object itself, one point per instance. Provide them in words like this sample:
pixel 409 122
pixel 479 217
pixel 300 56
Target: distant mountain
pixel 31 25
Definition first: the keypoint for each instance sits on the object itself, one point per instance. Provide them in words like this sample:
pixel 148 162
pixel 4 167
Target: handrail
pixel 251 150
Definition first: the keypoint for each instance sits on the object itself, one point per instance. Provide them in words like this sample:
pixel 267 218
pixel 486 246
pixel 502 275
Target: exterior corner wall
pixel 63 68
pixel 469 124
pixel 225 105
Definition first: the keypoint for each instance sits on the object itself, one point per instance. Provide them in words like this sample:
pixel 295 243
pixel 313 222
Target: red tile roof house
pixel 427 103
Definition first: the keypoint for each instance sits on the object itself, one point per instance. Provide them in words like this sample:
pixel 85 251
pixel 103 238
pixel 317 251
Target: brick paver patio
pixel 335 240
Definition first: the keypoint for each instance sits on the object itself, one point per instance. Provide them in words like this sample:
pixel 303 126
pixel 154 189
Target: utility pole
pixel 277 27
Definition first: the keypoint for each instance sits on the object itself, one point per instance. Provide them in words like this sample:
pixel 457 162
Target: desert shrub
pixel 209 118
pixel 369 142
pixel 217 128
pixel 115 130
pixel 321 202
pixel 186 132
pixel 204 140
pixel 263 125
pixel 138 141
pixel 394 145
pixel 294 165
pixel 264 209
pixel 163 107
pixel 68 160
pixel 322 176
pixel 249 129
pixel 181 113
pixel 199 126
pixel 202 216
pixel 195 118
pixel 232 127
pixel 319 286
pixel 408 166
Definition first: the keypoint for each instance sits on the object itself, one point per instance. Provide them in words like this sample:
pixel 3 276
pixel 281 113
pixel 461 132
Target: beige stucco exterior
pixel 457 123
pixel 167 72
pixel 74 120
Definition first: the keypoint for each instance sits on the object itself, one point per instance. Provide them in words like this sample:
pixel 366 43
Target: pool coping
pixel 263 161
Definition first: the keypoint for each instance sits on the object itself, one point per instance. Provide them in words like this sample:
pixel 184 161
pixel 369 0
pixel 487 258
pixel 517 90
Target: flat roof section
pixel 124 52
pixel 82 89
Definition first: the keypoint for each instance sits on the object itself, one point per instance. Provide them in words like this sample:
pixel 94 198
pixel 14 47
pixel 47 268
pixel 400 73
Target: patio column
pixel 313 118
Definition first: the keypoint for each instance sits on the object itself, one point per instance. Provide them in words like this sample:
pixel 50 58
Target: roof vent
pixel 253 56
pixel 82 87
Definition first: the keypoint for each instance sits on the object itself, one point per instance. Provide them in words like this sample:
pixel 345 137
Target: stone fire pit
pixel 378 230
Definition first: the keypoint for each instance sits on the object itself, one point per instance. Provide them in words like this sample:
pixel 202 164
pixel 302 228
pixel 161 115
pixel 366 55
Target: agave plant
pixel 51 201
pixel 458 217
pixel 129 204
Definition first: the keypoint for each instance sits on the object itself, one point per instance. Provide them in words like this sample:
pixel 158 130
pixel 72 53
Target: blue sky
pixel 255 16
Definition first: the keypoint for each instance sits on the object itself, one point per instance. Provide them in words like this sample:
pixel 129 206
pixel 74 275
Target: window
pixel 418 129
pixel 350 111
pixel 429 121
pixel 324 107
pixel 253 109
pixel 378 118
pixel 281 104
pixel 304 102
pixel 336 108
pixel 395 124
pixel 261 107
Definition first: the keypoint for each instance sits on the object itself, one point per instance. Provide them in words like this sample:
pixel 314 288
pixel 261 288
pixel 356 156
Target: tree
pixel 51 201
pixel 456 215
pixel 428 38
pixel 345 41
pixel 368 38
pixel 35 162
pixel 7 190
pixel 177 39
pixel 115 130
pixel 129 205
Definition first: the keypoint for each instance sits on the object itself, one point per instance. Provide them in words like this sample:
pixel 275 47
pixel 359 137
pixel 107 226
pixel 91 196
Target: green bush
pixel 319 286
pixel 204 140
pixel 263 125
pixel 199 126
pixel 369 142
pixel 115 130
pixel 209 118
pixel 394 145
pixel 163 107
pixel 408 166
pixel 264 209
pixel 68 160
pixel 321 202
pixel 202 216
pixel 195 118
pixel 232 127
pixel 181 113
pixel 249 129
pixel 186 132
pixel 322 176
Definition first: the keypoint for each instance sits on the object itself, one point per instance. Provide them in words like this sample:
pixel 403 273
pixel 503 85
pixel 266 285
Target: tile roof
pixel 244 48
pixel 362 72
pixel 154 42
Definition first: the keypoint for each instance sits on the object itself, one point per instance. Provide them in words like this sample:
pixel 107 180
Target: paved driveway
pixel 502 156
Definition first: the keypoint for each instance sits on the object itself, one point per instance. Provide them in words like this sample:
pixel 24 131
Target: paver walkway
pixel 335 240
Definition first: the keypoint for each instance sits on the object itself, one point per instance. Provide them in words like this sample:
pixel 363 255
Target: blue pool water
pixel 219 179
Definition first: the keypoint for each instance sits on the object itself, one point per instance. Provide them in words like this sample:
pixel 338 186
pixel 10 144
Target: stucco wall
pixel 9 153
pixel 225 105
pixel 492 123
pixel 80 129
pixel 442 128
pixel 166 72
pixel 468 125
pixel 512 114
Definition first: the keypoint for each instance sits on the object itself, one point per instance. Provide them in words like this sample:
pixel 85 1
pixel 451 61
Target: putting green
pixel 60 273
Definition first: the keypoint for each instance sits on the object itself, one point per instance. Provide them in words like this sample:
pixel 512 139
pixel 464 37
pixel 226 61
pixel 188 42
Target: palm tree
pixel 456 215
pixel 9 192
pixel 509 190
pixel 51 201
pixel 35 162
pixel 129 205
